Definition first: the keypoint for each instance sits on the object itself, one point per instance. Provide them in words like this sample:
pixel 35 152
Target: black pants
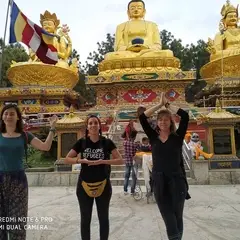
pixel 171 207
pixel 86 205
pixel 13 204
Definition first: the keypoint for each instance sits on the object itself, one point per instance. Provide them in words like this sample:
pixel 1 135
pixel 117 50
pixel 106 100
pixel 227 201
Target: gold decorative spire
pixel 227 8
pixel 218 106
pixel 47 16
pixel 71 109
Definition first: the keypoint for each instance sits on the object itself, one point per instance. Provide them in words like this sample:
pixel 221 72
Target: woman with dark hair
pixel 129 130
pixel 93 153
pixel 13 181
pixel 168 174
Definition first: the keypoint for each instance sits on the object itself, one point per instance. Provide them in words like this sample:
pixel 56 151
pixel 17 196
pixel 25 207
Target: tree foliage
pixel 86 94
pixel 95 57
pixel 12 52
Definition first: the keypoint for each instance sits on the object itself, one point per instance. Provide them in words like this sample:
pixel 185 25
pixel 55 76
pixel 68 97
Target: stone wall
pixel 202 175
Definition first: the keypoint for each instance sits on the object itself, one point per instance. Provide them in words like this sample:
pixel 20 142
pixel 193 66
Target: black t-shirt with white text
pixel 94 151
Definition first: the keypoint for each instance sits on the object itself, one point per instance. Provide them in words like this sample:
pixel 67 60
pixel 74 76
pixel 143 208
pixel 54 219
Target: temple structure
pixel 139 69
pixel 44 88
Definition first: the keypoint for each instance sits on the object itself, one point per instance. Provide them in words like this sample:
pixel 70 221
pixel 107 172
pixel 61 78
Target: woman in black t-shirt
pixel 94 179
pixel 168 174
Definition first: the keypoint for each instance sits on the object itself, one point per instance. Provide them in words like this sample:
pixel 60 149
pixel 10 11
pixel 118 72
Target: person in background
pixel 145 146
pixel 13 180
pixel 128 130
pixel 130 149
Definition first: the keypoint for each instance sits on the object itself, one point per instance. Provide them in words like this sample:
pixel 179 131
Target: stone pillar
pixel 200 170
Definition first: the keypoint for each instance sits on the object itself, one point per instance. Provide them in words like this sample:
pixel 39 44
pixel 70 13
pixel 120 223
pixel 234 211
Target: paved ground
pixel 213 213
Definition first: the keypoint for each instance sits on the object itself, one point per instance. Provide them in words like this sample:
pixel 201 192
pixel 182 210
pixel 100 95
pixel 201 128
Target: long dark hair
pixel 19 125
pixel 100 130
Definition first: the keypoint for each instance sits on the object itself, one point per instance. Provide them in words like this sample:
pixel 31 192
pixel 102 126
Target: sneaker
pixel 125 193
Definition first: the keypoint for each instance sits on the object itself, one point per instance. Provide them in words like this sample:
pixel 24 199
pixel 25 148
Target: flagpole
pixel 10 2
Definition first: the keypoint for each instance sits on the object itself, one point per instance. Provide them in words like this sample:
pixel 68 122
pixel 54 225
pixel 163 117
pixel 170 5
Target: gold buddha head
pixel 136 9
pixel 229 15
pixel 49 22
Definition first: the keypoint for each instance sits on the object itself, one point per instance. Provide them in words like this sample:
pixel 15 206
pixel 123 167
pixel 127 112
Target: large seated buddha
pixel 137 37
pixel 138 45
pixel 225 48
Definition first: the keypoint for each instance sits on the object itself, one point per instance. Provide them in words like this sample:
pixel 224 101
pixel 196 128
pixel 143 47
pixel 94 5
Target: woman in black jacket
pixel 169 179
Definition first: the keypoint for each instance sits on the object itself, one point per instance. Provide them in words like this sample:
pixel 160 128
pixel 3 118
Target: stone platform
pixel 213 213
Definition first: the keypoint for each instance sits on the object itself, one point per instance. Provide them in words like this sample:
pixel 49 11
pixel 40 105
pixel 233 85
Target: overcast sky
pixel 91 20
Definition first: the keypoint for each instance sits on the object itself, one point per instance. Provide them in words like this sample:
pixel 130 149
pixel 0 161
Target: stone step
pixel 71 179
pixel 120 174
pixel 120 181
pixel 118 167
pixel 122 168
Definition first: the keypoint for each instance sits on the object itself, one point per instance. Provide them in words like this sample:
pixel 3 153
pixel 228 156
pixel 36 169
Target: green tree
pixel 175 45
pixel 95 57
pixel 199 56
pixel 86 94
pixel 191 56
pixel 74 55
pixel 12 52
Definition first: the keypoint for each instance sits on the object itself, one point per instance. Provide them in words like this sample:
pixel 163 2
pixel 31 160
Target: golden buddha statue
pixel 62 42
pixel 227 42
pixel 137 37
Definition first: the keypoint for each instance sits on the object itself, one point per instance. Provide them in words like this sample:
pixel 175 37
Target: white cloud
pixel 91 20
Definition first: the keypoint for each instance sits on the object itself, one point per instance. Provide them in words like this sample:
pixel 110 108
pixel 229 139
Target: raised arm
pixel 143 118
pixel 46 145
pixel 183 125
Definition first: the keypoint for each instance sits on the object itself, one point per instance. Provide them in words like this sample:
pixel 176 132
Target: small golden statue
pixel 137 37
pixel 227 41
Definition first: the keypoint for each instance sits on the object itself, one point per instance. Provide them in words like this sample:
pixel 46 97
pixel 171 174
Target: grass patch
pixel 39 159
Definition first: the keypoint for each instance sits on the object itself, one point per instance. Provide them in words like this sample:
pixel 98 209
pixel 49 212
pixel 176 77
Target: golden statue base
pixel 37 73
pixel 38 99
pixel 138 65
pixel 123 84
pixel 227 67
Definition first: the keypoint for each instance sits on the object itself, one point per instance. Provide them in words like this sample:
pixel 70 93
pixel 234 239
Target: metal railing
pixel 187 155
pixel 111 131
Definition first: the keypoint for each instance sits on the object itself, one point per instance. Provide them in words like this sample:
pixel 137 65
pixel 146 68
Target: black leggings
pixel 86 205
pixel 172 214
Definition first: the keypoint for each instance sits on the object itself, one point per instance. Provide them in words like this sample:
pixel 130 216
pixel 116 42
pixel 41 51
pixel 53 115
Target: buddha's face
pixel 136 10
pixel 231 19
pixel 49 26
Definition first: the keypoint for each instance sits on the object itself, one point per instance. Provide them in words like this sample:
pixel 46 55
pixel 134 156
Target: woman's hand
pixel 53 120
pixel 83 161
pixel 95 162
pixel 164 100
